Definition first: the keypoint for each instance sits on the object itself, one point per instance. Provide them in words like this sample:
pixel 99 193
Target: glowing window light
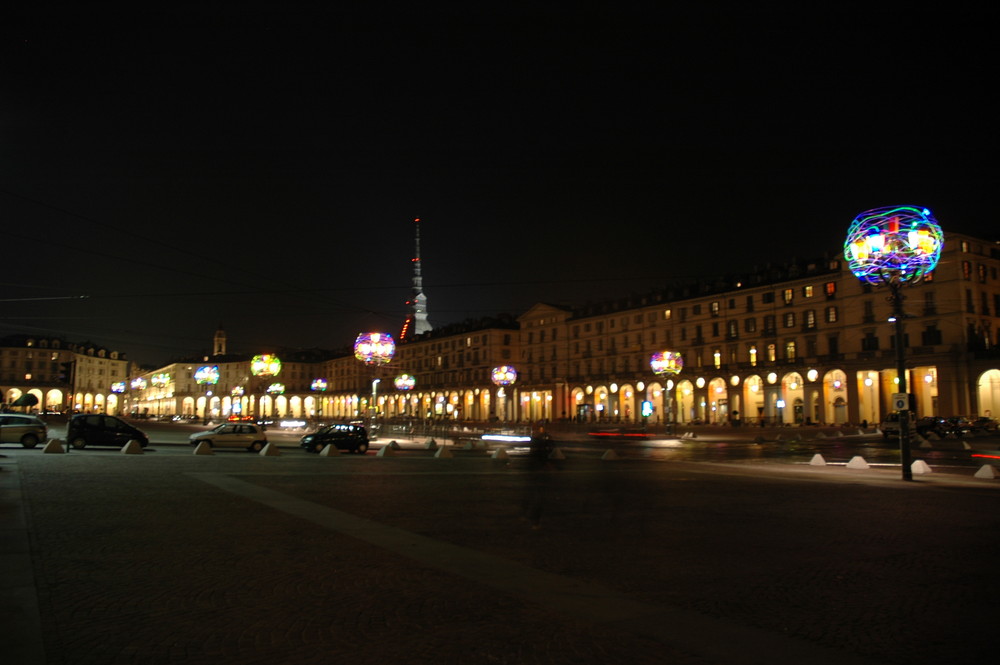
pixel 318 385
pixel 374 348
pixel 209 374
pixel 265 365
pixel 893 244
pixel 666 363
pixel 139 383
pixel 504 375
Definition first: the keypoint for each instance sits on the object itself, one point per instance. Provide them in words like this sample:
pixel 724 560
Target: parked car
pixel 342 437
pixel 23 429
pixel 98 429
pixel 233 435
pixel 984 424
pixel 890 425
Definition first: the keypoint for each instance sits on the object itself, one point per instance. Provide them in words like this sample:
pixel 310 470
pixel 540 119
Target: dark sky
pixel 187 167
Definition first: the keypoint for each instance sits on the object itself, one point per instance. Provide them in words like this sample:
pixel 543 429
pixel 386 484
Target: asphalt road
pixel 297 559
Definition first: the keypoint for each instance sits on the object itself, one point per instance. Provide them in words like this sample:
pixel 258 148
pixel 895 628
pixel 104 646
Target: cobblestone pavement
pixel 237 558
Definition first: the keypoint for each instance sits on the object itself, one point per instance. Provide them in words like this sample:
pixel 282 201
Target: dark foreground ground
pixel 237 558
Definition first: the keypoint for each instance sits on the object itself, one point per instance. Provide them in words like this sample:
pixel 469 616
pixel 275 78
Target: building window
pixel 790 350
pixel 789 319
pixel 732 329
pixel 869 342
pixel 966 270
pixel 666 314
pixel 830 288
pixel 767 298
pixel 750 325
pixel 831 314
pixel 696 309
pixel 717 358
pixel 772 353
pixel 807 291
pixel 868 315
pixel 930 336
pixel 715 307
pixel 970 304
pixel 981 273
pixel 769 325
pixel 788 295
pixel 749 303
pixel 753 356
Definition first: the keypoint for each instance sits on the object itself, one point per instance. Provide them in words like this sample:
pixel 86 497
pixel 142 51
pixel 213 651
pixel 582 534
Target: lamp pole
pixel 894 246
pixel 667 365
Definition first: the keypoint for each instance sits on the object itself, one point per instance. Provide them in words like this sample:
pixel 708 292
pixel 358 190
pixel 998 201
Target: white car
pixel 23 429
pixel 233 435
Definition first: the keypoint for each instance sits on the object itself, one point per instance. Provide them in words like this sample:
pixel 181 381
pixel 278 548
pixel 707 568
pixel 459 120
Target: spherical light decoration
pixel 374 348
pixel 207 375
pixel 265 365
pixel 893 244
pixel 505 375
pixel 139 383
pixel 404 382
pixel 276 389
pixel 318 385
pixel 118 387
pixel 668 363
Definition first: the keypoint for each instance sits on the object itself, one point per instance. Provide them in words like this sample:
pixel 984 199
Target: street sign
pixel 900 402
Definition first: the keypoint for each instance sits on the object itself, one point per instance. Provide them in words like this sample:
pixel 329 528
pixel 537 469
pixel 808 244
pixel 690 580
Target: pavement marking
pixel 698 634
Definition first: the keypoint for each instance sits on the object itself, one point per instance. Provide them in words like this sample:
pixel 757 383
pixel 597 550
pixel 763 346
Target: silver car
pixel 233 435
pixel 23 429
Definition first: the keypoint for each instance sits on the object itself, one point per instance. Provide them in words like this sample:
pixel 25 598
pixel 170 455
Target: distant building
pixel 799 343
pixel 63 376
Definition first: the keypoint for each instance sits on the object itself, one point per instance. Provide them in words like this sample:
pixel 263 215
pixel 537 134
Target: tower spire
pixel 416 320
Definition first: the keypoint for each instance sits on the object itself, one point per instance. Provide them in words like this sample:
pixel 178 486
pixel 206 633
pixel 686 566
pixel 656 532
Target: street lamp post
pixel 895 246
pixel 404 383
pixel 263 367
pixel 667 365
pixel 207 376
pixel 374 349
pixel 504 377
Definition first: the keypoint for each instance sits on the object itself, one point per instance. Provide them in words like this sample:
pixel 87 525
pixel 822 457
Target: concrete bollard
pixel 986 471
pixel 443 453
pixel 609 455
pixel 329 450
pixel 385 451
pixel 54 446
pixel 131 448
pixel 203 448
pixel 858 462
pixel 817 460
pixel 920 466
pixel 499 453
pixel 270 450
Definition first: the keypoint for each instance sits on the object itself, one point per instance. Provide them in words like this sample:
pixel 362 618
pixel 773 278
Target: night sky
pixel 187 167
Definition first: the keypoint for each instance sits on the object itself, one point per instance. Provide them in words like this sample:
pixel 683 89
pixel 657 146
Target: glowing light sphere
pixel 237 391
pixel 139 383
pixel 265 365
pixel 161 379
pixel 666 363
pixel 405 382
pixel 209 374
pixel 118 387
pixel 374 348
pixel 276 389
pixel 505 375
pixel 893 244
pixel 319 385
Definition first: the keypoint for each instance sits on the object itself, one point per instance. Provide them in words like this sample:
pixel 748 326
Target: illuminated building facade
pixel 794 344
pixel 62 376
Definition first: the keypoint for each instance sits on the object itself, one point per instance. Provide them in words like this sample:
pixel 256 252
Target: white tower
pixel 219 342
pixel 416 320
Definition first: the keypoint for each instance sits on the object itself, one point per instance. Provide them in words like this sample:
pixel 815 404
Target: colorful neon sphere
pixel 160 379
pixel 265 365
pixel 893 244
pixel 319 385
pixel 276 388
pixel 504 375
pixel 405 382
pixel 139 383
pixel 374 348
pixel 118 387
pixel 237 391
pixel 209 374
pixel 668 363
